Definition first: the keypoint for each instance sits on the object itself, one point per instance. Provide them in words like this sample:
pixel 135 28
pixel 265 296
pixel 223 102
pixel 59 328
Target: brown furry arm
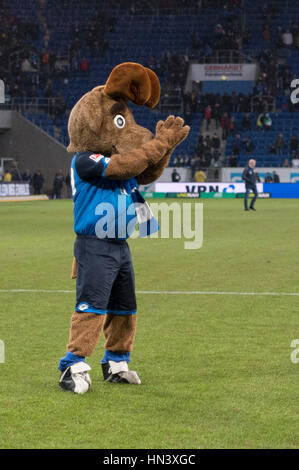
pixel 128 165
pixel 169 134
pixel 152 173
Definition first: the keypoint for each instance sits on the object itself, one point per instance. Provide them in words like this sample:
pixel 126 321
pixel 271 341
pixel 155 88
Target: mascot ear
pixel 135 83
pixel 155 89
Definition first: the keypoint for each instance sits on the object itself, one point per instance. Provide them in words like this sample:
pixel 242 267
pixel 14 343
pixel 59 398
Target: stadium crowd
pixel 36 181
pixel 28 72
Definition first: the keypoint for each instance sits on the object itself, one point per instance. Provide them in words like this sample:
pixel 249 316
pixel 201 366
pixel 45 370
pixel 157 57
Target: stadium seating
pixel 163 33
pixel 286 123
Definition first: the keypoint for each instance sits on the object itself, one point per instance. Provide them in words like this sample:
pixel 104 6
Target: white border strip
pixel 151 292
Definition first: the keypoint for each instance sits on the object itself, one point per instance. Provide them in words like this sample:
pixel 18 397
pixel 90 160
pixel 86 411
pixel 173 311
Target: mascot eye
pixel 119 121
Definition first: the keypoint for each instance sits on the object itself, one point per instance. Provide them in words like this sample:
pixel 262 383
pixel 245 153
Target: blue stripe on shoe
pixel 115 356
pixel 69 359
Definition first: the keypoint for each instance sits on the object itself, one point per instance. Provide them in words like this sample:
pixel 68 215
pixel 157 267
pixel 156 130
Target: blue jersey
pixel 102 207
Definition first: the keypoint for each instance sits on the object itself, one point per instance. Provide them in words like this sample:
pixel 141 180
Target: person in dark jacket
pixel 68 186
pixel 57 184
pixel 276 178
pixel 250 184
pixel 37 181
pixel 175 176
pixel 27 176
pixel 248 145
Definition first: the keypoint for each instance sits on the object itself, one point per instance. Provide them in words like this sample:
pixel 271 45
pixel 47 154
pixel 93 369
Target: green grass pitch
pixel 215 369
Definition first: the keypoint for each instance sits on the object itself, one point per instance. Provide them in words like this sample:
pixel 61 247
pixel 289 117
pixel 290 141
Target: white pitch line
pixel 151 292
pixel 198 292
pixel 38 291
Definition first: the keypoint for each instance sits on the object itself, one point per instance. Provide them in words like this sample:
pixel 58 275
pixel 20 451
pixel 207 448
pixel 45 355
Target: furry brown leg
pixel 119 331
pixel 85 332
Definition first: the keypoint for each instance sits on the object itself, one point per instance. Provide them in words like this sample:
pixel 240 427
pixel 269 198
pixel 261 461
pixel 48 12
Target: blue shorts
pixel 105 277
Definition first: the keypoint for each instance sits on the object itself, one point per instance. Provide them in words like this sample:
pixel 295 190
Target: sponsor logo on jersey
pixel 96 157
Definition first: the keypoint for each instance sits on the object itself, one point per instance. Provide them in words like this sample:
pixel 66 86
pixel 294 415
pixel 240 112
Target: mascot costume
pixel 113 155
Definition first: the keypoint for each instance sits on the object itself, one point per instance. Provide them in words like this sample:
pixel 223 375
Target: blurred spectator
pixel 15 175
pixel 45 60
pixel 266 33
pixel 233 161
pixel 225 125
pixel 84 66
pixel 48 93
pixel 186 160
pixel 175 176
pixel 279 41
pixel 248 145
pixel 268 178
pixel 215 141
pixel 178 160
pixel 208 142
pixel 208 115
pixel 59 107
pixel 195 164
pixel 26 66
pixel 217 110
pixel 216 156
pixel 286 163
pixel 37 182
pixel 267 121
pixel 57 184
pixel 295 154
pixel 75 30
pixel 195 41
pixel 279 145
pixel 7 177
pixel 27 176
pixel 246 123
pixel 233 126
pixel 200 176
pixel 46 39
pixel 296 36
pixel 276 178
pixel 287 38
pixel 68 186
pixel 294 143
pixel 264 121
pixel 75 52
pixel 236 145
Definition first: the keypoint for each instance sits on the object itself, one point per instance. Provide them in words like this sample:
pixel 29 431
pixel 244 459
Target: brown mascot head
pixel 101 120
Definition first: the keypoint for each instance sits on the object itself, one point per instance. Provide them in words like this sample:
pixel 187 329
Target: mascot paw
pixel 76 378
pixel 118 372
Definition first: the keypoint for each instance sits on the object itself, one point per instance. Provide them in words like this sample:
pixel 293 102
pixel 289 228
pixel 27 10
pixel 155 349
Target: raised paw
pixel 172 131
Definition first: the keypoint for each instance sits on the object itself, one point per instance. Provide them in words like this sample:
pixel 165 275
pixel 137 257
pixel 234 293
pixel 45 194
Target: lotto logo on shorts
pixel 83 307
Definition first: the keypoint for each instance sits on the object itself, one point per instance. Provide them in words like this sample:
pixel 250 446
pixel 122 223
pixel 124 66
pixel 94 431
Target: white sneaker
pixel 118 372
pixel 76 378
